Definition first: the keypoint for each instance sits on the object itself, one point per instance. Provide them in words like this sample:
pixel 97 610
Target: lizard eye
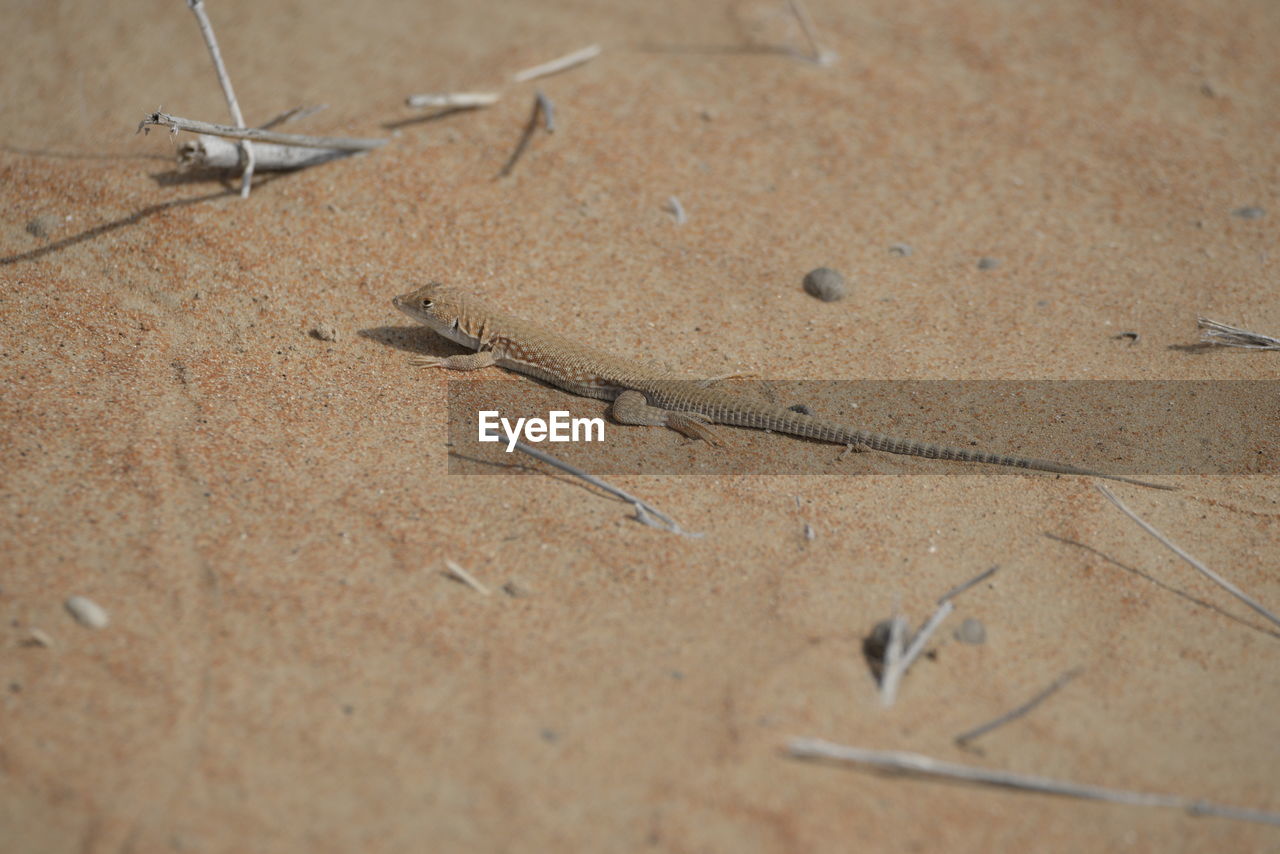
pixel 426 303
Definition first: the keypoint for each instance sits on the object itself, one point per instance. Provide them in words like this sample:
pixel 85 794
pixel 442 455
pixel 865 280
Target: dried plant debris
pixel 915 763
pixel 214 152
pixel 1224 335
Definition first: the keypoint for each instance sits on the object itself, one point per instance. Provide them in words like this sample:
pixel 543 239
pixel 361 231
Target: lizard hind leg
pixel 630 407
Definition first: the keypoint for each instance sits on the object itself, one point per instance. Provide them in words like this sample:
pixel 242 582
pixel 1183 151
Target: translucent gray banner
pixel 1134 428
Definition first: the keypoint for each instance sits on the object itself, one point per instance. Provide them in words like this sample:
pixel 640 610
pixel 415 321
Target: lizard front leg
pixel 461 362
pixel 631 407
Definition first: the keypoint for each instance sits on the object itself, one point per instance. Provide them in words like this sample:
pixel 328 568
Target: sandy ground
pixel 265 514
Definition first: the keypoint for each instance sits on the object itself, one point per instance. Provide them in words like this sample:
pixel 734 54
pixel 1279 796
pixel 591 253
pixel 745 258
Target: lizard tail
pixel 724 409
pixel 827 431
pixel 907 447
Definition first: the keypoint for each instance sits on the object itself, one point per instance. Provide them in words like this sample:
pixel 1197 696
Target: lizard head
pixel 436 305
pixel 445 311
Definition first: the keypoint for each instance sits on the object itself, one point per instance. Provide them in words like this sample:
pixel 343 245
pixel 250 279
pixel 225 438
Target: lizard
pixel 646 394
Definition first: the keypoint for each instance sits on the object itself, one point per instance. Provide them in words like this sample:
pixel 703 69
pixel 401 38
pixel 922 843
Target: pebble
pixel 1250 212
pixel 902 250
pixel 971 631
pixel 825 284
pixel 985 263
pixel 516 589
pixel 87 612
pixel 44 225
pixel 324 332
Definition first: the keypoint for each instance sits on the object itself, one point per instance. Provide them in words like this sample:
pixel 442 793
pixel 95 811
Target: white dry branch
pixel 645 512
pixel 892 660
pixel 1197 565
pixel 214 152
pixel 926 632
pixel 453 100
pixel 819 55
pixel 465 577
pixel 1225 335
pixel 916 763
pixel 567 61
pixel 206 29
pixel 177 123
pixel 897 661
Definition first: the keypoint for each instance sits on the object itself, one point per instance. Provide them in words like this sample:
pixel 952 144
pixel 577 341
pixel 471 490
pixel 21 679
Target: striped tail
pixel 810 427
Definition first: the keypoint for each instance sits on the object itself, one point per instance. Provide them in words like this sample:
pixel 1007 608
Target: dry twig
pixel 453 100
pixel 1214 332
pixel 1197 565
pixel 963 586
pixel 897 660
pixel 465 577
pixel 644 510
pixel 965 737
pixel 548 110
pixel 820 56
pixel 206 30
pixel 926 631
pixel 177 123
pixel 213 152
pixel 892 659
pixel 567 61
pixel 915 763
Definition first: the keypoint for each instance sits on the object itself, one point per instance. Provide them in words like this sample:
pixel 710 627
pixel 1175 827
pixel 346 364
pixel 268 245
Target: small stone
pixel 515 589
pixel 825 284
pixel 88 612
pixel 44 225
pixel 324 332
pixel 1244 213
pixel 902 250
pixel 986 263
pixel 971 631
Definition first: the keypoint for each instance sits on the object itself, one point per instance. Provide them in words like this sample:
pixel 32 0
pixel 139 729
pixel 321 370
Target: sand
pixel 264 515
